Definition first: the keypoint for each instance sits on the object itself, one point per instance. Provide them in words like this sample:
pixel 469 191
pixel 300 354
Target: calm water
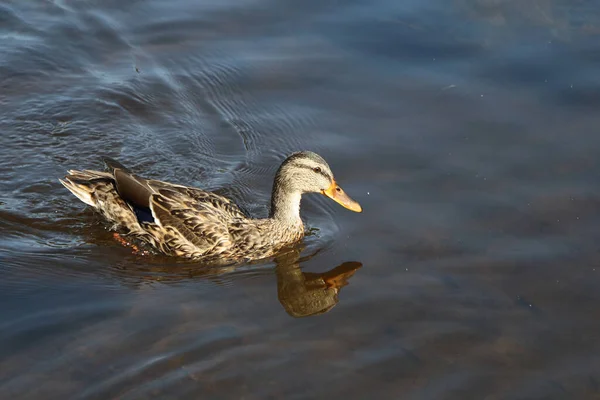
pixel 467 129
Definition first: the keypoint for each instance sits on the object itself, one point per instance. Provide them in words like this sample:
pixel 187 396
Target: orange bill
pixel 337 194
pixel 338 277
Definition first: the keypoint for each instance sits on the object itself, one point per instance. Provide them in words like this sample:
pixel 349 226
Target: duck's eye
pixel 317 170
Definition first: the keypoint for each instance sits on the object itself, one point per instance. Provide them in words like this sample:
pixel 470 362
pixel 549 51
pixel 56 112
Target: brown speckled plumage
pixel 200 225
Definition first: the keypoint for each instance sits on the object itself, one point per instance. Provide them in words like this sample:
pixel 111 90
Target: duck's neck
pixel 285 205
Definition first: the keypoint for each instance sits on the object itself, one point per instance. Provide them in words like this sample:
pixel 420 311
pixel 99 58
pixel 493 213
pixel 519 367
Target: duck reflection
pixel 304 294
pixel 301 294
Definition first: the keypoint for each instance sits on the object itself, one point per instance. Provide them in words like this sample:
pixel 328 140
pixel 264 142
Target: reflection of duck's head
pixel 303 294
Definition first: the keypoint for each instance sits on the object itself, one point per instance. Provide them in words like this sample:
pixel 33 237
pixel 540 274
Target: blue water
pixel 466 129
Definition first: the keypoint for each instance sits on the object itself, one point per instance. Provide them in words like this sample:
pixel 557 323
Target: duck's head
pixel 308 172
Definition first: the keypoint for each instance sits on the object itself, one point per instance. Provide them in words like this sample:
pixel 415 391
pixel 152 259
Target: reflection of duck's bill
pixel 338 277
pixel 337 194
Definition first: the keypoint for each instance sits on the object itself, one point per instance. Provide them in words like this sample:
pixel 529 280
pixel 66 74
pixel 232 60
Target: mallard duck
pixel 189 222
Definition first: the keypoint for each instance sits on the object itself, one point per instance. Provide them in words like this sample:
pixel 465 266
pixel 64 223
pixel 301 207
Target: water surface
pixel 467 129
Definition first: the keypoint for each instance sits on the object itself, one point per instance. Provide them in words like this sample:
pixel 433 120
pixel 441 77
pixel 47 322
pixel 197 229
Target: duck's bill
pixel 337 194
pixel 338 277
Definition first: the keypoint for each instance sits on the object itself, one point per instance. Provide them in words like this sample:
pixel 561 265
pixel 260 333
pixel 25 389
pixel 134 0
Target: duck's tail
pixel 83 184
pixel 98 189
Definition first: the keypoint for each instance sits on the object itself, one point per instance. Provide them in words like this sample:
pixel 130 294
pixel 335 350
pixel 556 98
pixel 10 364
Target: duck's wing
pixel 185 216
pixel 137 191
pixel 190 221
pixel 201 199
pixel 131 188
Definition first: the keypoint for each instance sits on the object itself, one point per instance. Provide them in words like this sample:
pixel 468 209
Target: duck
pixel 199 225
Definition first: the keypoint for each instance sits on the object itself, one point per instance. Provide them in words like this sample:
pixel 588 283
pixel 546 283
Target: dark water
pixel 467 129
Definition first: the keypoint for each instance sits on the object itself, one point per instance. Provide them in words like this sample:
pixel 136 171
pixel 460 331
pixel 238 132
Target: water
pixel 467 129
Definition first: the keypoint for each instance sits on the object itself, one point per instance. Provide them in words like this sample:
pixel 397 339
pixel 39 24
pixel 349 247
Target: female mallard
pixel 189 222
